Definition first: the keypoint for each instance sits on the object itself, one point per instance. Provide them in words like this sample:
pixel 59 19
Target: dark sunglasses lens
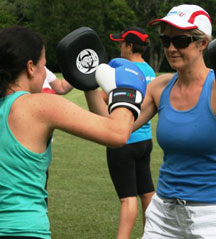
pixel 165 41
pixel 178 41
pixel 181 41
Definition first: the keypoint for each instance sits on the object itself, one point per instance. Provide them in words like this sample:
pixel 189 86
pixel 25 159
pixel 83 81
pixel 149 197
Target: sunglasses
pixel 181 41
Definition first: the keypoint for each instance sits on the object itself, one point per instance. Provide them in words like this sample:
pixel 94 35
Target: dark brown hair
pixel 18 45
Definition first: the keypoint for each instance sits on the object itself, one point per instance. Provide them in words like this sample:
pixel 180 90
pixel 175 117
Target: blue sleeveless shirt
pixel 188 140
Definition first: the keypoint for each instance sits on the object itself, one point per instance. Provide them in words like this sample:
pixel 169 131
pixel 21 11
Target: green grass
pixel 82 200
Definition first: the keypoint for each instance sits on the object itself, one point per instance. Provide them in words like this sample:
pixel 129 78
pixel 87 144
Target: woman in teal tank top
pixel 27 121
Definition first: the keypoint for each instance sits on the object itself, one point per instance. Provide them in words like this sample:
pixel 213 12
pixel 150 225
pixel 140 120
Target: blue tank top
pixel 144 132
pixel 188 140
pixel 23 210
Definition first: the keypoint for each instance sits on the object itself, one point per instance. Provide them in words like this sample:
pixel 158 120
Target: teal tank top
pixel 23 210
pixel 188 140
pixel 144 132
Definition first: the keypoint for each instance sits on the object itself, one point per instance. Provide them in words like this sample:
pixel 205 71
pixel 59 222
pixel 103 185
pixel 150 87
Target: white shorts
pixel 178 219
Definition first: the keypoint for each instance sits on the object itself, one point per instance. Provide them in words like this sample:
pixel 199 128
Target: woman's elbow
pixel 120 140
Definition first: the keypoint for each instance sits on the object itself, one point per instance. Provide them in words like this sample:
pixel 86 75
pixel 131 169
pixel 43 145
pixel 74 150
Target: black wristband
pixel 126 97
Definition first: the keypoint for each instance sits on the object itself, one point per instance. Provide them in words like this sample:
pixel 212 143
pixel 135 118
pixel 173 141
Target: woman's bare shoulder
pixel 156 87
pixel 43 105
pixel 162 79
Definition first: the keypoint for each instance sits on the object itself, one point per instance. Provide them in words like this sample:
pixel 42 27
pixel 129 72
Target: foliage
pixel 7 18
pixel 116 16
pixel 54 19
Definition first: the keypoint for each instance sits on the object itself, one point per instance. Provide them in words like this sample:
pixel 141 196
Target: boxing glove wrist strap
pixel 125 97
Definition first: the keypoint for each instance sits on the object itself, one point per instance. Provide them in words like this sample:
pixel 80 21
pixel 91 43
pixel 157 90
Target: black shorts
pixel 129 168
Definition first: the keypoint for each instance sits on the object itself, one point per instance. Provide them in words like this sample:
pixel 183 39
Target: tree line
pixel 54 19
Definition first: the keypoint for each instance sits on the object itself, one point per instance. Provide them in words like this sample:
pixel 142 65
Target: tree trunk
pixel 156 58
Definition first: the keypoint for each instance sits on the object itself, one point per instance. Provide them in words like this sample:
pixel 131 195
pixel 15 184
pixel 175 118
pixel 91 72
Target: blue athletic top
pixel 143 133
pixel 188 140
pixel 23 210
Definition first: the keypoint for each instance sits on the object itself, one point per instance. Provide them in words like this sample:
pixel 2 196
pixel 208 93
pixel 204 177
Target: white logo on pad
pixel 87 61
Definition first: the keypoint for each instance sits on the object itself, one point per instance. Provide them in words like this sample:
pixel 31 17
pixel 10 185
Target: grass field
pixel 82 200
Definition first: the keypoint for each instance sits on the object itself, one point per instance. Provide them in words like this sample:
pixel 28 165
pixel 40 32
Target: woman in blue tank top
pixel 27 121
pixel 184 205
